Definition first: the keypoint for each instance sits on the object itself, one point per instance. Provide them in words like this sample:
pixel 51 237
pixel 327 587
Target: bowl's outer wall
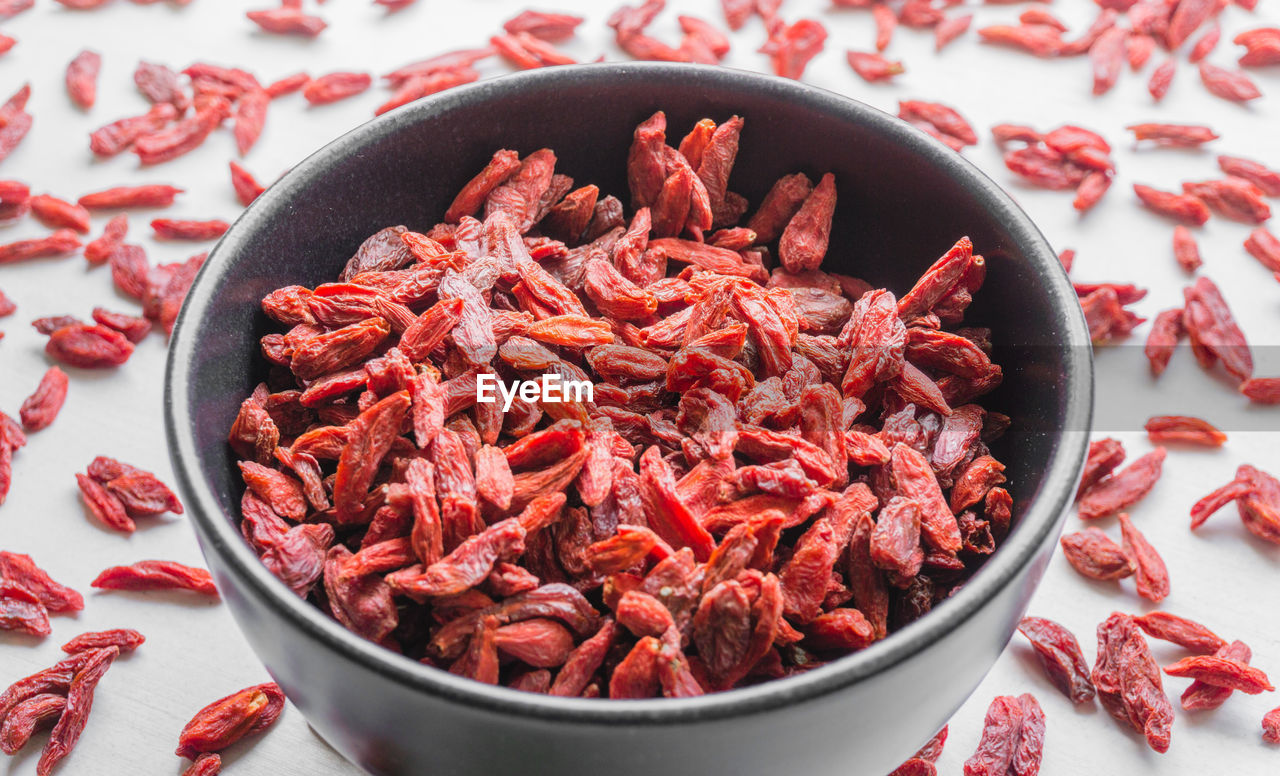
pixel 901 205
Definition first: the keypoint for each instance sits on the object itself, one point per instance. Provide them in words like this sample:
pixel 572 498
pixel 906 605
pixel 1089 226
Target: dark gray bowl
pixel 904 199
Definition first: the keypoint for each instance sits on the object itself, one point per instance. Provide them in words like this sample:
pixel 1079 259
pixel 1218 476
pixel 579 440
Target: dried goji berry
pixel 26 716
pixel 1095 555
pixel 156 575
pixel 1200 695
pixel 162 145
pixel 121 134
pixel 1161 79
pixel 125 639
pixel 150 195
pixel 288 21
pixel 1222 672
pixel 172 229
pixel 1263 390
pixel 1124 488
pixel 61 242
pixel 873 67
pixel 1181 631
pixel 82 78
pixel 113 234
pixel 66 733
pixel 58 214
pixel 89 347
pixel 335 86
pixel 1183 429
pixel 1149 569
pixel 40 408
pixel 1215 335
pixel 227 720
pixel 1258 174
pixel 1228 84
pixel 1060 656
pixel 246 187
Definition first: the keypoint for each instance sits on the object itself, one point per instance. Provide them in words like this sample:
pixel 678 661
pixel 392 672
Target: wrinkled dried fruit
pixel 1181 631
pixel 1124 488
pixel 1149 569
pixel 1092 553
pixel 227 720
pixel 156 575
pixel 1060 656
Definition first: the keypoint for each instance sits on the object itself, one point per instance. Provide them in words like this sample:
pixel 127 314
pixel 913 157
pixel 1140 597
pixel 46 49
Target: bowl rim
pixel 220 536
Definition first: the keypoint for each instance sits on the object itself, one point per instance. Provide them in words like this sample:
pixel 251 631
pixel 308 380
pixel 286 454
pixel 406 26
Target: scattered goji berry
pixel 82 78
pixel 156 575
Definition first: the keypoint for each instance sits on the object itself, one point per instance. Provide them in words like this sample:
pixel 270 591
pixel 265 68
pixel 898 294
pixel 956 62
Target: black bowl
pixel 904 199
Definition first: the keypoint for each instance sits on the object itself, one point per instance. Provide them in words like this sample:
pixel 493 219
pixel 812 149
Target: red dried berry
pixel 150 195
pixel 540 24
pixel 288 21
pixel 1262 46
pixel 82 78
pixel 227 720
pixel 1260 175
pixel 1228 84
pixel 121 134
pixel 1214 334
pixel 59 214
pixel 1150 573
pixel 60 242
pixel 949 29
pixel 1179 630
pixel 22 570
pixel 1180 207
pixel 1012 738
pixel 26 716
pixel 205 765
pixel 1124 488
pixel 100 249
pixel 156 575
pixel 1185 250
pixel 172 229
pixel 1263 390
pixel 1092 553
pixel 133 328
pixel 163 145
pixel 1175 135
pixel 791 47
pixel 1199 695
pixel 1161 79
pixel 66 733
pixel 335 86
pixel 160 85
pixel 1128 682
pixel 124 639
pixel 89 347
pixel 1222 672
pixel 1184 430
pixel 41 407
pixel 873 67
pixel 1059 654
pixel 1041 40
pixel 1271 726
pixel 246 187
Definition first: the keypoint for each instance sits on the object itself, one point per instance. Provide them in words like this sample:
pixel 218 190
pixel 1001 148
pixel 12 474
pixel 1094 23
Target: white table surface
pixel 194 652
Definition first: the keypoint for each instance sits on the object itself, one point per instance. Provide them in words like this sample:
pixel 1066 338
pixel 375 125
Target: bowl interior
pixel 903 200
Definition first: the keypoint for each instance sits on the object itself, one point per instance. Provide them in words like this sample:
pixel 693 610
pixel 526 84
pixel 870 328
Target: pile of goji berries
pixel 575 548
pixel 776 468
